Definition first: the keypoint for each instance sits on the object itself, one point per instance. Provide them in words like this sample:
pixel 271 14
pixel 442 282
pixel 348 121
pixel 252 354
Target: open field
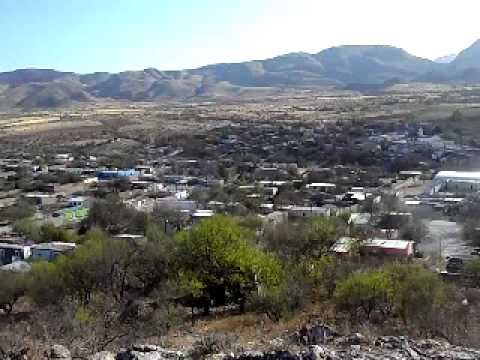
pixel 403 103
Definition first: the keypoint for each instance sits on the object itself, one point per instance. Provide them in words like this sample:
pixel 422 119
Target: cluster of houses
pixel 275 171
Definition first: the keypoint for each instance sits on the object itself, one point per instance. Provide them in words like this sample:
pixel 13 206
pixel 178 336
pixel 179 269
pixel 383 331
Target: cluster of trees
pixel 46 232
pixel 112 286
pixel 109 289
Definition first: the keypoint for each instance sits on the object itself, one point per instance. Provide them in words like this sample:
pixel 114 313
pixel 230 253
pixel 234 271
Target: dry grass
pixel 251 331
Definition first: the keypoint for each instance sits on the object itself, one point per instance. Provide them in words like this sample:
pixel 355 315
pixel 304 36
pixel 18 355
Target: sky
pixel 116 35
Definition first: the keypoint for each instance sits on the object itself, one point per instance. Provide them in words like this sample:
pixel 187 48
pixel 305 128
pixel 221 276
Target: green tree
pixel 303 240
pixel 219 263
pixel 113 216
pixel 369 291
pixel 99 265
pixel 45 284
pixel 416 292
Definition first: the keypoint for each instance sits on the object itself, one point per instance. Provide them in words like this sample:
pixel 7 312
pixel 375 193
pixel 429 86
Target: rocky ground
pixel 319 343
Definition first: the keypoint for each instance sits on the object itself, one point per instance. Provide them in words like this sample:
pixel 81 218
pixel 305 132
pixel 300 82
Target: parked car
pixel 456 263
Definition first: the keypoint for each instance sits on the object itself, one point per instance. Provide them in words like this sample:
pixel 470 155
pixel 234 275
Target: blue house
pixel 114 174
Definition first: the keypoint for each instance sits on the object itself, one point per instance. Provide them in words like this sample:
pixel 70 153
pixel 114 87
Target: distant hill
pixel 447 59
pixel 359 67
pixel 468 58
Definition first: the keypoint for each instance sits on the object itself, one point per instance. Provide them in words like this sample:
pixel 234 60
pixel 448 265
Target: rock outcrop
pixel 329 347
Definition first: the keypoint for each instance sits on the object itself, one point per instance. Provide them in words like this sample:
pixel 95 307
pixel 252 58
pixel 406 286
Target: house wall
pixel 9 255
pixel 43 254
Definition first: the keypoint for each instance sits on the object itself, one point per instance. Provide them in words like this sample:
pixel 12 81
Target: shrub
pixel 409 291
pixel 12 287
pixel 416 292
pixel 369 291
pixel 29 228
pixel 210 344
pixel 52 233
pixel 21 210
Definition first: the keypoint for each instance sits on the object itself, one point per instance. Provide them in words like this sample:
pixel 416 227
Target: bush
pixel 29 228
pixel 21 210
pixel 416 292
pixel 113 216
pixel 283 300
pixel 12 287
pixel 369 291
pixel 210 344
pixel 52 233
pixel 409 291
pixel 45 285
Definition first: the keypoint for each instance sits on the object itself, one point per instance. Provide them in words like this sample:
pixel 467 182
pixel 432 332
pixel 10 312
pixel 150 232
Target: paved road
pixel 444 238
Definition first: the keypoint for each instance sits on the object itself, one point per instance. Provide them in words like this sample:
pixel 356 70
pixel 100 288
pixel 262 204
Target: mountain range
pixel 344 67
pixel 446 59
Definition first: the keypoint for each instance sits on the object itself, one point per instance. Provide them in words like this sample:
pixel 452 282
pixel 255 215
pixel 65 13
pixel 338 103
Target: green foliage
pixel 113 216
pixel 369 291
pixel 29 228
pixel 47 232
pixel 302 241
pixel 103 266
pixel 252 222
pixel 473 268
pixel 12 287
pixel 98 265
pixel 21 210
pixel 83 315
pixel 417 293
pixel 45 285
pixel 324 273
pixel 410 291
pixel 219 261
pixel 322 235
pixel 284 299
pixel 51 233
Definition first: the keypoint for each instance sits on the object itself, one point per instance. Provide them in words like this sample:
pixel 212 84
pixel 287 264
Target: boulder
pixel 102 355
pixel 58 352
pixel 354 346
pixel 314 352
pixel 353 339
pixel 149 352
pixel 315 335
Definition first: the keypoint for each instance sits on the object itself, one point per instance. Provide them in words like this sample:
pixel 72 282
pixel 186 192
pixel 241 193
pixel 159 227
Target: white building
pixel 456 181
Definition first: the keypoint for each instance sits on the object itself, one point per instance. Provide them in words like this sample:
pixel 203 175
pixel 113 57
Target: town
pixel 114 218
pixel 379 174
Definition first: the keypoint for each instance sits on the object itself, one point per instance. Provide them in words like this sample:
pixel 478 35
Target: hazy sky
pixel 115 35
